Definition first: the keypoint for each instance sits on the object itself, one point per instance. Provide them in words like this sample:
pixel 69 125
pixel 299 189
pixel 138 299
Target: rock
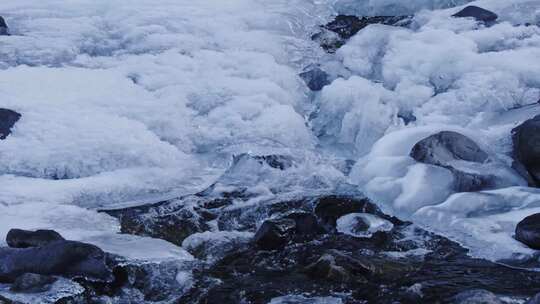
pixel 478 13
pixel 315 79
pixel 534 300
pixel 334 34
pixel 4 30
pixel 214 245
pixel 274 234
pixel 362 224
pixel 330 208
pixel 326 268
pixel 280 162
pixel 32 283
pixel 443 148
pixel 476 296
pixel 63 258
pixel 528 231
pixel 18 238
pixel 526 145
pixel 169 221
pixel 8 118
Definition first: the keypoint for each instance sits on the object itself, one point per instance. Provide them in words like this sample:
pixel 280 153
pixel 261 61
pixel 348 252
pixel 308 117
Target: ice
pixel 129 104
pixel 347 224
pixel 299 299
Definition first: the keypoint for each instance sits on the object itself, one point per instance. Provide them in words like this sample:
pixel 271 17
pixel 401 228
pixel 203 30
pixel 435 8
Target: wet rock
pixel 214 245
pixel 18 238
pixel 447 149
pixel 362 224
pixel 274 234
pixel 315 79
pixel 335 34
pixel 528 231
pixel 63 258
pixel 329 209
pixel 443 148
pixel 8 118
pixel 4 30
pixel 477 296
pixel 170 221
pixel 326 268
pixel 478 13
pixel 32 283
pixel 534 300
pixel 526 145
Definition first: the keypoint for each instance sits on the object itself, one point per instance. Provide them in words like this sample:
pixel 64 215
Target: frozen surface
pixel 125 104
pixel 362 224
pixel 299 299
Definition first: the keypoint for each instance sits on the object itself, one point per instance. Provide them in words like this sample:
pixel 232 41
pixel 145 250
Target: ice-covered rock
pixel 478 13
pixel 214 245
pixel 3 27
pixel 315 78
pixel 444 148
pixel 32 283
pixel 8 118
pixel 362 224
pixel 527 148
pixel 476 296
pixel 528 231
pixel 335 34
pixel 18 238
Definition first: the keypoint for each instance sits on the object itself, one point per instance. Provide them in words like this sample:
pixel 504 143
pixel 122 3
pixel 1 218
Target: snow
pixel 123 104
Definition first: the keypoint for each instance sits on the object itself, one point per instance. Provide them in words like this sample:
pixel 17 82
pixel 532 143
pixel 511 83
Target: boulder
pixel 32 283
pixel 526 148
pixel 528 231
pixel 315 79
pixel 18 238
pixel 449 150
pixel 166 221
pixel 443 148
pixel 63 258
pixel 4 31
pixel 478 13
pixel 8 118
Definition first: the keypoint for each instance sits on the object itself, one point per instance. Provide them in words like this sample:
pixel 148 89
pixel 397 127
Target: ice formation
pixel 124 103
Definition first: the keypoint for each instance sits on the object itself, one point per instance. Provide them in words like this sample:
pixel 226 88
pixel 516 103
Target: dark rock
pixel 315 79
pixel 274 234
pixel 534 300
pixel 528 231
pixel 326 268
pixel 478 13
pixel 470 182
pixel 407 117
pixel 169 221
pixel 443 148
pixel 526 144
pixel 280 162
pixel 32 283
pixel 18 238
pixel 476 296
pixel 294 227
pixel 63 258
pixel 8 118
pixel 330 208
pixel 335 34
pixel 4 30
